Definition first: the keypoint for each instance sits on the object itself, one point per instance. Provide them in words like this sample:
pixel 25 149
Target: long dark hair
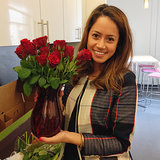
pixel 114 69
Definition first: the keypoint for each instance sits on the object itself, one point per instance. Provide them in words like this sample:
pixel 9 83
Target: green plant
pixel 37 151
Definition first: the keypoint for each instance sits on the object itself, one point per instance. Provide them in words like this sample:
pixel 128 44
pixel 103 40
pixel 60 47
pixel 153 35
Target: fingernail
pixel 40 139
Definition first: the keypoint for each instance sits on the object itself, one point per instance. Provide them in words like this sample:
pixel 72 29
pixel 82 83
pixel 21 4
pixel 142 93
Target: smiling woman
pixel 100 101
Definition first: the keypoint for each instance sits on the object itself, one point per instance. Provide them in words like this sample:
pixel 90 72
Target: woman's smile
pixel 99 53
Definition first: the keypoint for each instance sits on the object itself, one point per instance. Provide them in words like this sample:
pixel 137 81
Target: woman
pixel 100 105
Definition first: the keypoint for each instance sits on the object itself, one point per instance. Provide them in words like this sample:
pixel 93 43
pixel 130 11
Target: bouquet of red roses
pixel 47 65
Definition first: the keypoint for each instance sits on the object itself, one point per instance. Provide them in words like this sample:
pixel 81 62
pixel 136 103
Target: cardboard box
pixel 15 112
pixel 13 103
pixel 2 124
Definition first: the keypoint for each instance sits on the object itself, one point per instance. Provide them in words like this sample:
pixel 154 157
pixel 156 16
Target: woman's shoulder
pixel 129 74
pixel 129 78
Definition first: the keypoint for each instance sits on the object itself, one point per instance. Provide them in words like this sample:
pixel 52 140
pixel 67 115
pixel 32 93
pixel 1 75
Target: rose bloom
pixel 69 51
pixel 24 41
pixel 53 60
pixel 40 42
pixel 59 45
pixel 20 53
pixel 83 56
pixel 42 59
pixel 44 50
pixel 29 47
pixel 57 53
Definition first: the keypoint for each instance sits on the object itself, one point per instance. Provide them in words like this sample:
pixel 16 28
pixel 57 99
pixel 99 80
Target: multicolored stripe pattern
pixel 106 119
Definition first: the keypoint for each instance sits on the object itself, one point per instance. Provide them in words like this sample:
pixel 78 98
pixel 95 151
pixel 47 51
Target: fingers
pixel 46 140
pixel 36 140
pixel 51 140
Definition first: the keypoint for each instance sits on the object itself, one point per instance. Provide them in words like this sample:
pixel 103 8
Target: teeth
pixel 99 52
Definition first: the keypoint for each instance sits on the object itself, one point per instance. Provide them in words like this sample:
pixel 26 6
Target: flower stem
pixel 48 73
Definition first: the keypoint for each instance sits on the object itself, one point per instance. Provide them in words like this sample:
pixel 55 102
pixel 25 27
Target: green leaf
pixel 60 67
pixel 42 81
pixel 53 73
pixel 32 147
pixel 39 69
pixel 54 82
pixel 25 64
pixel 34 71
pixel 17 68
pixel 20 144
pixel 29 155
pixel 46 70
pixel 46 85
pixel 36 150
pixel 34 158
pixel 58 148
pixel 24 73
pixel 26 156
pixel 59 48
pixel 43 152
pixel 34 79
pixel 56 156
pixel 27 88
pixel 63 81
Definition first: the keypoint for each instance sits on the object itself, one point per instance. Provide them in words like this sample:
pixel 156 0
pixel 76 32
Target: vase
pixel 46 117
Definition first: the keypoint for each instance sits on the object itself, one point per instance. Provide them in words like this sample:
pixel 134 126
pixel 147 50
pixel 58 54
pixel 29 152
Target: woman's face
pixel 103 39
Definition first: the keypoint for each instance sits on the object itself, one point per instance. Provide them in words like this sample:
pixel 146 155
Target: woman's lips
pixel 100 53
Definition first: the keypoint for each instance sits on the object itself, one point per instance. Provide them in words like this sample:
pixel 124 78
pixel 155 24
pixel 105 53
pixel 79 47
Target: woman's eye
pixel 95 35
pixel 110 39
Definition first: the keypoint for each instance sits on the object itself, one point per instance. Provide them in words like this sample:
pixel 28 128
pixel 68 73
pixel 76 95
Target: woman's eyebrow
pixel 109 35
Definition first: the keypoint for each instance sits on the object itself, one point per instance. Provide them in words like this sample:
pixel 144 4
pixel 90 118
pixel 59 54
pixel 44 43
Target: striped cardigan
pixel 106 119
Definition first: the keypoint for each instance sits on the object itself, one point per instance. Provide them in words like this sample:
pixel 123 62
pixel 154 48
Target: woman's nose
pixel 101 44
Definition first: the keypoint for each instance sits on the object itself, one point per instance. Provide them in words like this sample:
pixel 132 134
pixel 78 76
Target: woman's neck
pixel 97 70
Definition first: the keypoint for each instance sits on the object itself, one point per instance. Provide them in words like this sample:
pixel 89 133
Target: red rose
pixel 57 53
pixel 83 55
pixel 59 45
pixel 40 42
pixel 44 50
pixel 53 60
pixel 69 51
pixel 24 41
pixel 42 59
pixel 20 52
pixel 29 47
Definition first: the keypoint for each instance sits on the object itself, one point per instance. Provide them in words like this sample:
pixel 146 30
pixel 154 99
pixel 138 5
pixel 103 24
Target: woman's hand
pixel 63 137
pixel 58 138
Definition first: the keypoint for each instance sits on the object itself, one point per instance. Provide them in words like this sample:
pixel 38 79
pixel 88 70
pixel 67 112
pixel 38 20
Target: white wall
pixel 145 25
pixel 87 7
pixel 155 29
